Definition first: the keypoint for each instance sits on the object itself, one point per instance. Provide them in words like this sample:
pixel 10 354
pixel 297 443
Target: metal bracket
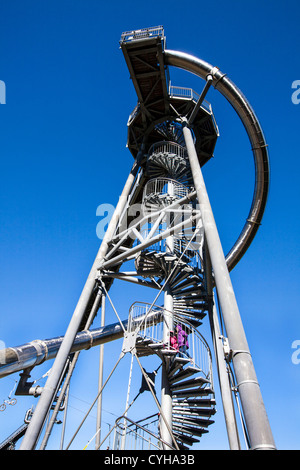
pixel 26 388
pixel 129 342
pixel 228 353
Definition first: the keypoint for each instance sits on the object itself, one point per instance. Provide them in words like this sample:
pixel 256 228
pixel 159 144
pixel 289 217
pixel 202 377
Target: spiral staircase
pixel 178 265
pixel 190 379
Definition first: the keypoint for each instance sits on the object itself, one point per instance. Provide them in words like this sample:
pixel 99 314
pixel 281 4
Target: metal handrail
pixel 138 436
pixel 165 186
pixel 138 433
pixel 154 31
pixel 168 147
pixel 151 328
pixel 182 242
pixel 189 93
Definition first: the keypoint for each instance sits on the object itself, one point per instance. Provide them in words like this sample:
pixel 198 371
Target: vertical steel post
pixel 124 432
pixel 37 421
pixel 225 388
pixel 226 392
pixel 255 415
pixel 100 381
pixel 166 396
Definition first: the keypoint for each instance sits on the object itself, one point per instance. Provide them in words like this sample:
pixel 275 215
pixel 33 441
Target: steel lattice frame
pixel 179 253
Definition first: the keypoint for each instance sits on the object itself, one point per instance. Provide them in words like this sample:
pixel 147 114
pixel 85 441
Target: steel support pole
pixel 66 384
pixel 168 326
pixel 166 396
pixel 225 388
pixel 37 421
pixel 100 380
pixel 255 415
pixel 209 80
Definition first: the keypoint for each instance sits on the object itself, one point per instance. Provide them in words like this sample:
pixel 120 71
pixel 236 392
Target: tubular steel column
pixel 100 380
pixel 166 396
pixel 225 388
pixel 256 419
pixel 48 394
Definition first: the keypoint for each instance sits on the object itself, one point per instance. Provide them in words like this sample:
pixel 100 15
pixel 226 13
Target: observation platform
pixel 159 102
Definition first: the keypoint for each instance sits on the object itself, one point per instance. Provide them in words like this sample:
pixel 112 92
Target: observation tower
pixel 174 250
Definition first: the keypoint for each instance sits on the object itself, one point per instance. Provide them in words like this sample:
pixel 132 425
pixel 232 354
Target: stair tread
pixel 188 371
pixel 190 440
pixel 156 345
pixel 194 412
pixel 192 393
pixel 181 360
pixel 143 341
pixel 178 363
pixel 195 382
pixel 195 401
pixel 193 421
pixel 194 431
pixel 168 352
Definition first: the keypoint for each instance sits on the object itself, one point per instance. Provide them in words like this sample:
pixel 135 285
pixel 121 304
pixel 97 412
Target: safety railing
pixel 133 114
pixel 189 249
pixel 168 147
pixel 186 241
pixel 149 322
pixel 142 318
pixel 160 187
pixel 155 31
pixel 190 94
pixel 142 435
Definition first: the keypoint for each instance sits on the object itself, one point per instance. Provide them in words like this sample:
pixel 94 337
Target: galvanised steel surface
pixel 176 250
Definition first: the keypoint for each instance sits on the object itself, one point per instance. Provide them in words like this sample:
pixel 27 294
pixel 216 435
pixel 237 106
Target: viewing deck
pixel 158 101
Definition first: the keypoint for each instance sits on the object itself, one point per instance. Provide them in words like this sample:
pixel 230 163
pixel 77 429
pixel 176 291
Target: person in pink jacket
pixel 173 341
pixel 182 338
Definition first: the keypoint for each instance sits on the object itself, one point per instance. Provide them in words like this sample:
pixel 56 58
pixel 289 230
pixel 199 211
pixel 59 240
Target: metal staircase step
pixel 199 308
pixel 156 345
pixel 199 392
pixel 194 402
pixel 189 440
pixel 193 431
pixel 187 372
pixel 199 422
pixel 195 323
pixel 189 281
pixel 181 273
pixel 146 346
pixel 194 412
pixel 191 301
pixel 190 315
pixel 190 312
pixel 189 296
pixel 168 352
pixel 177 364
pixel 143 341
pixel 195 382
pixel 143 351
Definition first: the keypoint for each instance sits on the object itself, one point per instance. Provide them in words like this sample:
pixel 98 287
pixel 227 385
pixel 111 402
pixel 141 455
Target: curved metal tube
pixel 31 354
pixel 259 147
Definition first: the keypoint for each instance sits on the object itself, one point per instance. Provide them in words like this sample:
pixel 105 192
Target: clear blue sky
pixel 63 152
